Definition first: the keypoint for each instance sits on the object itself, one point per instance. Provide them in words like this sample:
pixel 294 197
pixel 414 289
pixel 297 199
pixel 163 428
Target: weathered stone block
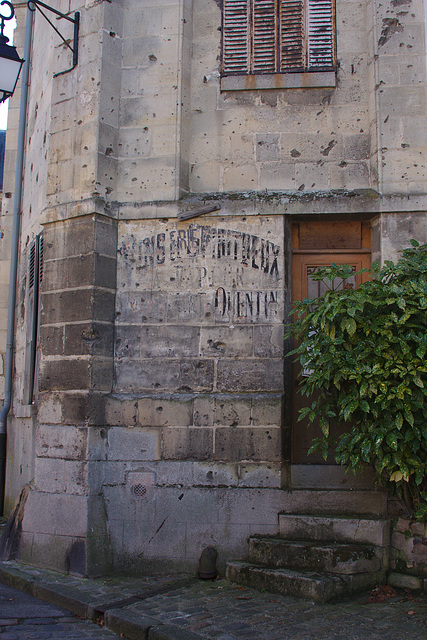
pixel 78 271
pixel 97 446
pixel 205 177
pixel 267 147
pixel 87 408
pixel 357 147
pixel 312 177
pixel 245 443
pixel 403 101
pixel 214 474
pixel 164 412
pixel 69 239
pixel 121 412
pixel 232 411
pixel 268 341
pixel 169 542
pixel 169 341
pixel 47 551
pixel 349 175
pixel 50 408
pixel 64 374
pixel 66 306
pixel 196 375
pixel 52 341
pixel 142 375
pixel 240 178
pixel 250 375
pixel 405 581
pixel 187 443
pixel 226 341
pixel 114 472
pixel 277 176
pixel 101 374
pixel 260 475
pixel 204 411
pixel 59 476
pixel 92 338
pixel 68 442
pixel 267 409
pixel 133 444
pixel 127 342
pixel 186 306
pixel 167 473
pixel 140 307
pixel 60 514
pixel 135 143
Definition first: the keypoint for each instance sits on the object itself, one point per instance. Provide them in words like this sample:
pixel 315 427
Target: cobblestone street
pixel 226 612
pixel 176 607
pixel 23 617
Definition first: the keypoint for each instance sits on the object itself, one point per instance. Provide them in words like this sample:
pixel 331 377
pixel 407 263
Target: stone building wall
pixel 408 552
pixel 162 418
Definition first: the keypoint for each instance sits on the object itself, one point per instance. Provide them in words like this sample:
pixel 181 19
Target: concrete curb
pixel 125 623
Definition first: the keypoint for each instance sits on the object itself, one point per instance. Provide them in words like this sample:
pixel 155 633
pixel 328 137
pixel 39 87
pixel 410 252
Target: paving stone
pixel 222 611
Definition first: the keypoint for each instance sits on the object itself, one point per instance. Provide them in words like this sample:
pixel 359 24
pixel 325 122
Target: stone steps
pixel 344 559
pixel 317 557
pixel 333 528
pixel 319 587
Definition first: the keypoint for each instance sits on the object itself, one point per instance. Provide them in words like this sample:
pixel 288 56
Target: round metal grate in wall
pixel 139 490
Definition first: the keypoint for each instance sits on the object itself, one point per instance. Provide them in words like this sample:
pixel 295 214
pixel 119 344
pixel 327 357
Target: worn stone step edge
pixel 136 627
pixel 300 584
pixel 58 594
pixel 338 502
pixel 329 557
pixel 126 623
pixel 330 527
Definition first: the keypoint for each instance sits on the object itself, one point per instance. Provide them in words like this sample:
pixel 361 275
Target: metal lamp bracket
pixel 36 4
pixel 3 18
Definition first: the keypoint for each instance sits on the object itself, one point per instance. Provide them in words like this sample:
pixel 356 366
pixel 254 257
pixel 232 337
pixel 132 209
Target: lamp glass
pixel 9 72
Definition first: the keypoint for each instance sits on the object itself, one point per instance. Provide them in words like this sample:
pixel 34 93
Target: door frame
pixel 343 239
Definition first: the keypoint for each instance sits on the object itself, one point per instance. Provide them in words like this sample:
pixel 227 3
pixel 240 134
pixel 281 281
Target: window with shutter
pixel 266 37
pixel 35 278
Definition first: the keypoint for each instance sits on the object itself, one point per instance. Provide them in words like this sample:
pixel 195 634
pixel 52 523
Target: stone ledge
pixel 310 80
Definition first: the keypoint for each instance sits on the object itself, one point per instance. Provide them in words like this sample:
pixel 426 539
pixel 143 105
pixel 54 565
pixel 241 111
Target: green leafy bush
pixel 366 350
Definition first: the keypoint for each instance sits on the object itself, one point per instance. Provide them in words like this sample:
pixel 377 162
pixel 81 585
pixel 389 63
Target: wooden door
pixel 305 262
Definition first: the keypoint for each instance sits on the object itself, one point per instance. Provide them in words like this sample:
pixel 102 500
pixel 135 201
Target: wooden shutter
pixel 235 36
pixel 320 35
pixel 291 35
pixel 264 36
pixel 277 36
pixel 35 277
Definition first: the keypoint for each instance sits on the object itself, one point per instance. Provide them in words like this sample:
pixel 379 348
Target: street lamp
pixel 10 62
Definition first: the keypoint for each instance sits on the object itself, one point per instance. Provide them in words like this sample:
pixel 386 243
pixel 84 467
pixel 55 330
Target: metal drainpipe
pixel 17 200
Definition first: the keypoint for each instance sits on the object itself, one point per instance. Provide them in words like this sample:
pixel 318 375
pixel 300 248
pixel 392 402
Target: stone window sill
pixel 312 80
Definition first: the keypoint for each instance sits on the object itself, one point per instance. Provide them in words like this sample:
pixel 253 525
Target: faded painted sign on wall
pixel 179 282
